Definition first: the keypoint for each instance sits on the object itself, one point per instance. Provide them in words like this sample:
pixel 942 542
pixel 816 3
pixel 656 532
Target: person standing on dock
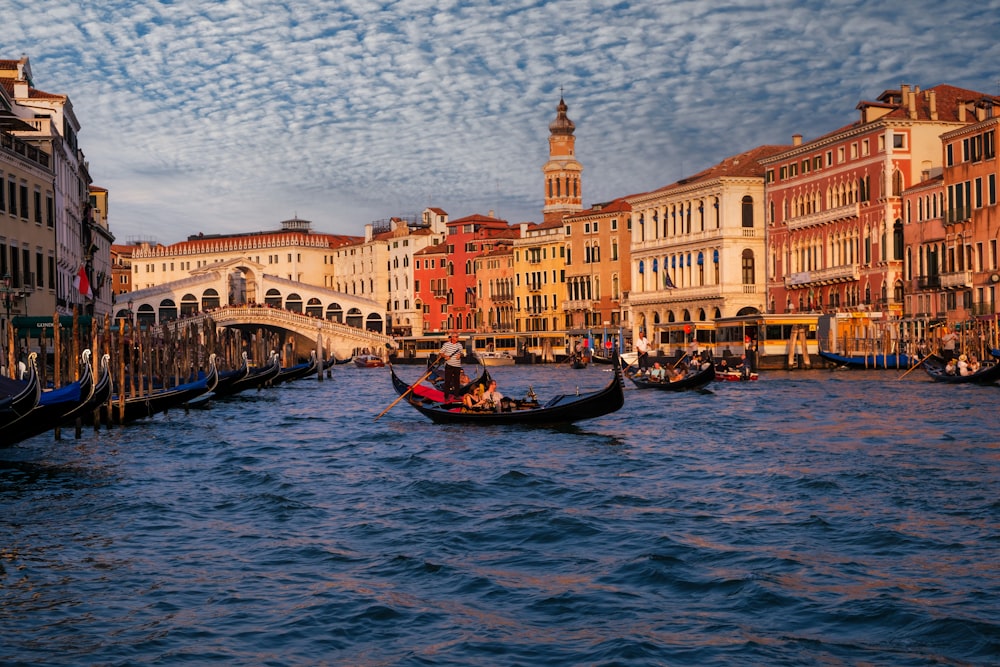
pixel 451 352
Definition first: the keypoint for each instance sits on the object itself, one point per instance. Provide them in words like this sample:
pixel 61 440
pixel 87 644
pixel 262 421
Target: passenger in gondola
pixel 472 398
pixel 963 365
pixel 951 368
pixel 973 366
pixel 491 397
pixel 657 373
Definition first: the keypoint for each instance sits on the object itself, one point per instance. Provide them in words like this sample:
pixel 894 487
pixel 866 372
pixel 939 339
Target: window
pixel 898 140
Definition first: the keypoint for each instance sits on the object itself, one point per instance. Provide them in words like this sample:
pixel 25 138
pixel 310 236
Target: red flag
pixel 83 284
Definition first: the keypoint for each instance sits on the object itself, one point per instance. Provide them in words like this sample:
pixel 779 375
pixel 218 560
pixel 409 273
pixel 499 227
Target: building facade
pixel 698 248
pixel 834 204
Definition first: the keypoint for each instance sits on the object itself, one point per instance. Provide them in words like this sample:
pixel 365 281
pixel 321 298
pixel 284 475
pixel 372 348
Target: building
pixel 951 225
pixel 698 249
pixel 598 247
pixel 81 241
pixel 495 278
pixel 563 172
pixel 403 239
pixel 834 204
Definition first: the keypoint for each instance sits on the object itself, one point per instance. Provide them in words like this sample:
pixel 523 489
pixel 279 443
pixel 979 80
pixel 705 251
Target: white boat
pixel 495 358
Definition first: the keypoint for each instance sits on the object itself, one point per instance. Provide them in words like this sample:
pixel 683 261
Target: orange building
pixel 952 223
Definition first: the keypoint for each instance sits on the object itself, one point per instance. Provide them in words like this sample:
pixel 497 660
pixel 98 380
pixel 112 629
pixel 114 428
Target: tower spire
pixel 563 185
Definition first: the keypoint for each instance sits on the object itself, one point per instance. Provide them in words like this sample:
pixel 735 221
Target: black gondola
pixel 694 379
pixel 52 406
pixel 987 374
pixel 561 409
pixel 103 389
pixel 229 378
pixel 297 371
pixel 141 407
pixel 20 397
pixel 256 378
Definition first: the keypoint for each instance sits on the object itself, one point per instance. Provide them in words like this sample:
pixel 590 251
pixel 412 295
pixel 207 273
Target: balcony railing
pixel 929 282
pixel 823 217
pixel 956 280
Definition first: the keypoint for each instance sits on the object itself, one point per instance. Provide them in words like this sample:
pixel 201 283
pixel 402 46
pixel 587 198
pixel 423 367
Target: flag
pixel 82 283
pixel 667 282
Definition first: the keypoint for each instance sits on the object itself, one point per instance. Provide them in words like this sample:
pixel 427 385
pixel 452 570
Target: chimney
pixel 796 139
pixel 932 103
pixel 911 104
pixel 961 112
pixel 904 92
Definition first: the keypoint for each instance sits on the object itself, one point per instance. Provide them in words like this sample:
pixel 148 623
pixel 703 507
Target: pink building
pixel 835 204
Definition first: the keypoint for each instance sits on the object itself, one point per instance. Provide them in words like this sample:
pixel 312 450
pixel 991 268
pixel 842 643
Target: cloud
pixel 232 116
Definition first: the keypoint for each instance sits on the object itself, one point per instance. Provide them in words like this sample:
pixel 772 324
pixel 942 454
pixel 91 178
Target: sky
pixel 231 116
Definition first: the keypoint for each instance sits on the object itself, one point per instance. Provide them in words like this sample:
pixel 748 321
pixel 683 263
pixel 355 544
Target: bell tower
pixel 563 191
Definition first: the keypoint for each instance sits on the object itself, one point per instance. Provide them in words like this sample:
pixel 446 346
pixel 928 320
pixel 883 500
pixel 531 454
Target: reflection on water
pixel 835 517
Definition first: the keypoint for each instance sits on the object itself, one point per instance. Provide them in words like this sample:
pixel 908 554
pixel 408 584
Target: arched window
pixel 209 299
pixel 748 270
pixel 747 211
pixel 168 311
pixel 293 302
pixel 335 313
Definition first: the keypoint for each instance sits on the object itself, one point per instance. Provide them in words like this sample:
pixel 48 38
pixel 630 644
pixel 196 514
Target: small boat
pixel 140 407
pixel 368 361
pixel 256 378
pixel 694 379
pixel 988 373
pixel 54 405
pixel 561 409
pixel 872 361
pixel 495 358
pixel 734 375
pixel 19 397
pixel 340 362
pixel 297 371
pixel 229 378
pixel 103 389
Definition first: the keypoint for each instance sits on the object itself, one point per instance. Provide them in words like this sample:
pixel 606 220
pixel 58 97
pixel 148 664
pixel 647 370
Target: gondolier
pixel 451 352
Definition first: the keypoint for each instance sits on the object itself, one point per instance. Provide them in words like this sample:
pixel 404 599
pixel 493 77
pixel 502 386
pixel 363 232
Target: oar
pixel 915 366
pixel 679 360
pixel 408 390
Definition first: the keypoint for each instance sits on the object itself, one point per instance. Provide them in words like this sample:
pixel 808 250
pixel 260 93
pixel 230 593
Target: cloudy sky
pixel 233 115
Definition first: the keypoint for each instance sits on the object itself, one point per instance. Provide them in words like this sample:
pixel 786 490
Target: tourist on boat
pixel 951 368
pixel 658 374
pixel 491 397
pixel 743 367
pixel 472 398
pixel 451 352
pixel 963 365
pixel 973 366
pixel 722 366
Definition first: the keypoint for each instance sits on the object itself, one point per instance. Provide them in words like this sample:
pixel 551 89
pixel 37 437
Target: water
pixel 836 518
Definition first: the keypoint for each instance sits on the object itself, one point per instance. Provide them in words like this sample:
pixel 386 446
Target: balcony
pixel 956 280
pixel 580 305
pixel 828 276
pixel 928 282
pixel 823 217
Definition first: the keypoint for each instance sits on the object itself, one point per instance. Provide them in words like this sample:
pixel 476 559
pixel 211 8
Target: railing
pixel 823 217
pixel 956 280
pixel 928 282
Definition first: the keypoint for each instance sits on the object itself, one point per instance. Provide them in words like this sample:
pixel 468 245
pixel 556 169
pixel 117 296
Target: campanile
pixel 563 192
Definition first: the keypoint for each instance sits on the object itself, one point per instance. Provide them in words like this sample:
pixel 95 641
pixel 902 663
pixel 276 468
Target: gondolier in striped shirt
pixel 451 352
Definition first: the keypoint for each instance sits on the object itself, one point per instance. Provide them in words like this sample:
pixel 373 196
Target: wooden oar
pixel 915 366
pixel 679 360
pixel 408 390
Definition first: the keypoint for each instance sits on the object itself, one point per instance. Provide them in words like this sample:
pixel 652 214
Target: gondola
pixel 53 406
pixel 254 379
pixel 297 371
pixel 433 393
pixel 561 409
pixel 20 397
pixel 697 378
pixel 140 407
pixel 103 389
pixel 229 378
pixel 870 361
pixel 987 374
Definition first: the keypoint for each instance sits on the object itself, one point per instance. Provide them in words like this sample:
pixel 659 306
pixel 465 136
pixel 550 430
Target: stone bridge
pixel 334 338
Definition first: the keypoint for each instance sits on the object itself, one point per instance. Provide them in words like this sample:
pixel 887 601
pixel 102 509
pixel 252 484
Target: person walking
pixel 451 352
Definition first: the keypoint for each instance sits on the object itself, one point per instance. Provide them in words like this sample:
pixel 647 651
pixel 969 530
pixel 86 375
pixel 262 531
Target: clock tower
pixel 563 192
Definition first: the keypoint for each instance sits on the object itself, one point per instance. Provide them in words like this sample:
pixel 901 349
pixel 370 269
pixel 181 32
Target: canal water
pixel 815 517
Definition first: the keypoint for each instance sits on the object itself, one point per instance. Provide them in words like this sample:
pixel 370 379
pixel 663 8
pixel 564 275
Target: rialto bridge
pixel 237 294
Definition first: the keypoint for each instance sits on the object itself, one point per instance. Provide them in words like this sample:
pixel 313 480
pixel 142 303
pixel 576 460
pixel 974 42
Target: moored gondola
pixel 140 407
pixel 255 378
pixel 561 409
pixel 895 361
pixel 297 371
pixel 694 379
pixel 53 406
pixel 21 397
pixel 229 378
